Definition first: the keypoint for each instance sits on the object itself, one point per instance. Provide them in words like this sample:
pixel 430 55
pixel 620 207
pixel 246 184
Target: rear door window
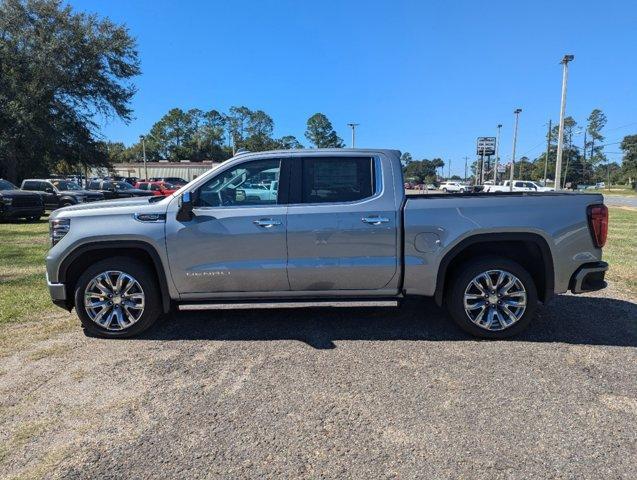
pixel 337 179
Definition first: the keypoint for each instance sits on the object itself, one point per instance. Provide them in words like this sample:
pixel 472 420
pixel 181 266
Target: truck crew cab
pixel 339 230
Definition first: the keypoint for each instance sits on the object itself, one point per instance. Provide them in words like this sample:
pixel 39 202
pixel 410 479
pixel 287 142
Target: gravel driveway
pixel 354 393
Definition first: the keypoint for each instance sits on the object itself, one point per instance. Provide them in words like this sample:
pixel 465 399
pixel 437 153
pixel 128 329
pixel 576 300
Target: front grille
pixel 30 201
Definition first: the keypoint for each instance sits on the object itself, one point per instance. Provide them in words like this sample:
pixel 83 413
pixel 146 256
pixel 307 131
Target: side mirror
pixel 49 190
pixel 185 214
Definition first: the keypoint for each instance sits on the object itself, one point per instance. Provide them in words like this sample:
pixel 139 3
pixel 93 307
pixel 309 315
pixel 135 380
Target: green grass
pixel 23 292
pixel 621 248
pixel 23 246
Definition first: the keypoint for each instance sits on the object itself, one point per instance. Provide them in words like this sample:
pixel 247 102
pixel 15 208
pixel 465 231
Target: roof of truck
pixel 316 151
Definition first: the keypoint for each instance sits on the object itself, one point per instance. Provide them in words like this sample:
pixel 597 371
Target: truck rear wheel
pixel 492 297
pixel 117 298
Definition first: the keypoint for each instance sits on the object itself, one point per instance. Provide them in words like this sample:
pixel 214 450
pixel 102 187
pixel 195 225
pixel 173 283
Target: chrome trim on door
pixel 267 222
pixel 375 220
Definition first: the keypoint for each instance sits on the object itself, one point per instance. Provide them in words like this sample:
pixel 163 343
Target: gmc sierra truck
pixel 340 231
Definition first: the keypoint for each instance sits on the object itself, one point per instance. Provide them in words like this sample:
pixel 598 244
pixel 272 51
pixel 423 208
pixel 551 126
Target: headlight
pixel 7 201
pixel 58 228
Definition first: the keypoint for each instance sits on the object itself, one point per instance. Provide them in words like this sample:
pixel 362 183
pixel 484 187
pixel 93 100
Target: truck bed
pixel 433 228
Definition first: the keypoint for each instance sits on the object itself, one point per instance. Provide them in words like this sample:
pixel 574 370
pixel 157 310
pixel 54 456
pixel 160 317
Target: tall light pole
pixel 143 139
pixel 497 152
pixel 353 127
pixel 516 112
pixel 560 135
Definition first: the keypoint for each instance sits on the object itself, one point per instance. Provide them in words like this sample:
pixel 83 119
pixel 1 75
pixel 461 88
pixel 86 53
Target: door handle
pixel 267 222
pixel 375 220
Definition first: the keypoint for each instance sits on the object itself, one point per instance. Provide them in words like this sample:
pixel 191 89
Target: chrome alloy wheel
pixel 495 300
pixel 114 300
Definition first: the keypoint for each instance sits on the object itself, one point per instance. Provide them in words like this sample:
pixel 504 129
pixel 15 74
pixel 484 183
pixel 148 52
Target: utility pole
pixel 353 127
pixel 449 169
pixel 516 112
pixel 548 150
pixel 465 168
pixel 497 152
pixel 584 156
pixel 143 139
pixel 560 135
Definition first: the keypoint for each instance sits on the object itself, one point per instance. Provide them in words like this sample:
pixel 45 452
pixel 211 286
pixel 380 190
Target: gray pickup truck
pixel 340 231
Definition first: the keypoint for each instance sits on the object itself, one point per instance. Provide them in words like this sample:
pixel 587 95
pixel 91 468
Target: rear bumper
pixel 589 277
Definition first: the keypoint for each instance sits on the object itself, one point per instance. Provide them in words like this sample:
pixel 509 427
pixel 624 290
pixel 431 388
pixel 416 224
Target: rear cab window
pixel 336 179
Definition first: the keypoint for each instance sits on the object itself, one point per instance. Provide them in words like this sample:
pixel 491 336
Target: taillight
pixel 598 224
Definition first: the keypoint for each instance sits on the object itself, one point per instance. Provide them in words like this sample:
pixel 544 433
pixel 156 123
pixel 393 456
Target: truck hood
pixel 113 207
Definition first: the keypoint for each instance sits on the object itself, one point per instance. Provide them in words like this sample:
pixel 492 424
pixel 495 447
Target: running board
pixel 239 306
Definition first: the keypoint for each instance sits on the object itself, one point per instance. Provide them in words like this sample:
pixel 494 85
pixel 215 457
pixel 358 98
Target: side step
pixel 291 304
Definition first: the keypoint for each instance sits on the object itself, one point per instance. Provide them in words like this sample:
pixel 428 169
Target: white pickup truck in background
pixel 518 186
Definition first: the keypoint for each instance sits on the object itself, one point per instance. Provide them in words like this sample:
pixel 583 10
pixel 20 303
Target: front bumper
pixel 21 212
pixel 589 277
pixel 58 293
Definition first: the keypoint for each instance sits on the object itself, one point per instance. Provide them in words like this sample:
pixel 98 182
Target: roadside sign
pixel 486 146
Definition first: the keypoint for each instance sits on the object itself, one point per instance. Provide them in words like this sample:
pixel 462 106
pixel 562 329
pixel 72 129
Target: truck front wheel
pixel 492 297
pixel 117 298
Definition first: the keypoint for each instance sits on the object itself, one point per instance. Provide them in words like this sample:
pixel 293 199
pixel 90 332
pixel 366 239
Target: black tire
pixel 462 190
pixel 444 190
pixel 66 203
pixel 144 275
pixel 454 300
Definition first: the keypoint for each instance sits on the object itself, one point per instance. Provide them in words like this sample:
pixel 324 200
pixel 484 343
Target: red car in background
pixel 157 188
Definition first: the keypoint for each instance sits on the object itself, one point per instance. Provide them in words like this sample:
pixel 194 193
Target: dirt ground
pixel 356 393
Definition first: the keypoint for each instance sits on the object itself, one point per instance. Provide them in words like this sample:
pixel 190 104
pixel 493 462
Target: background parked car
pixel 116 189
pixel 176 181
pixel 14 203
pixel 57 193
pixel 453 187
pixel 157 188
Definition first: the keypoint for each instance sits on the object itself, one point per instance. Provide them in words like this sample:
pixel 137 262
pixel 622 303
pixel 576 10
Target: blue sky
pixel 426 77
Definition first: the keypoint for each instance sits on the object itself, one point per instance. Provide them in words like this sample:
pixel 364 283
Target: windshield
pixel 122 185
pixel 65 185
pixel 4 185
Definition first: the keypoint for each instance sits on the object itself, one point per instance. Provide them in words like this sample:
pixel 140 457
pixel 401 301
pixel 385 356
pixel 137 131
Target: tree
pixel 406 159
pixel 237 119
pixel 321 133
pixel 289 142
pixel 172 137
pixel 422 171
pixel 629 160
pixel 60 72
pixel 117 152
pixel 596 123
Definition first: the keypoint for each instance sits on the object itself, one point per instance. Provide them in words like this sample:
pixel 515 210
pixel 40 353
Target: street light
pixel 560 135
pixel 516 112
pixel 497 152
pixel 570 151
pixel 353 127
pixel 143 139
